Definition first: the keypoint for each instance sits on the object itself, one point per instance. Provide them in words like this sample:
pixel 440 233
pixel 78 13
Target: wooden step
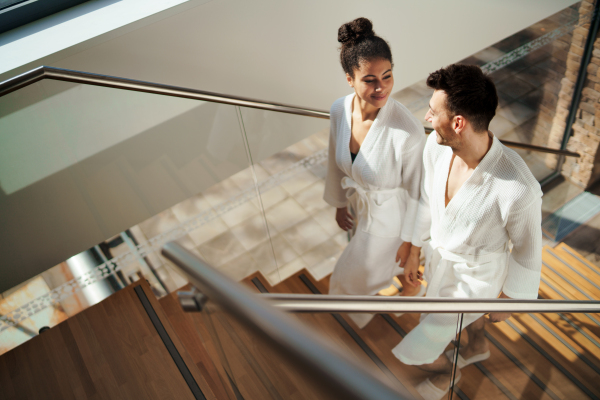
pixel 577 259
pixel 583 283
pixel 198 342
pixel 328 325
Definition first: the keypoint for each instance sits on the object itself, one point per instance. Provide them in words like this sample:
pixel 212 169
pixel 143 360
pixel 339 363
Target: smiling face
pixel 373 82
pixel 440 120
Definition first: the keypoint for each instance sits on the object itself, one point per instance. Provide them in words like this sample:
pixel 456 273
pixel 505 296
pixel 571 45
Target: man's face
pixel 441 122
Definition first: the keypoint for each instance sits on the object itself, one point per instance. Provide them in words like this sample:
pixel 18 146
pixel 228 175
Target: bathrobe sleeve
pixel 334 194
pixel 422 224
pixel 412 168
pixel 525 261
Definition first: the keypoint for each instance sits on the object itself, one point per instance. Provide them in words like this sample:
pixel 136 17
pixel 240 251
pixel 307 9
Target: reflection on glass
pixel 528 69
pixel 288 152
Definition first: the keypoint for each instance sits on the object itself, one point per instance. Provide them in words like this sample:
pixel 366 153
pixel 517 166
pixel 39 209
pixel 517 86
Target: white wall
pixel 80 164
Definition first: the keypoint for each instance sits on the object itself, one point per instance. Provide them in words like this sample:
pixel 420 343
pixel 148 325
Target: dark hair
pixel 359 43
pixel 470 92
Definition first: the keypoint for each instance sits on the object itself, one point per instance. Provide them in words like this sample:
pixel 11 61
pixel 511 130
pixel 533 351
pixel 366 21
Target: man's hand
pixel 411 268
pixel 402 253
pixel 344 219
pixel 499 316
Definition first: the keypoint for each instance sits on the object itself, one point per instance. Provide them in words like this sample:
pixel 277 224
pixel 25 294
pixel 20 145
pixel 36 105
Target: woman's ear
pixel 350 80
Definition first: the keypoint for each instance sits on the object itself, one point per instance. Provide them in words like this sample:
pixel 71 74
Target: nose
pixel 428 116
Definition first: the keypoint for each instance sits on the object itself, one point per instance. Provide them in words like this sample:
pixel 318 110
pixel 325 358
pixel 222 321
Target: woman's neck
pixel 366 110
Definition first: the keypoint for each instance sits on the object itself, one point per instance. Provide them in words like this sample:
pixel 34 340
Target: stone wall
pixel 565 62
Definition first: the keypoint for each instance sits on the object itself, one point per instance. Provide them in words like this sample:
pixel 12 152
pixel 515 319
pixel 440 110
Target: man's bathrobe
pixel 467 243
pixel 382 186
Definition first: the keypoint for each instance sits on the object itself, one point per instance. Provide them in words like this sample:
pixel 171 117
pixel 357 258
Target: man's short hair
pixel 469 91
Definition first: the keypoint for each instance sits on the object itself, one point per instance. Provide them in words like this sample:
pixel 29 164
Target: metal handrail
pixel 67 75
pixel 315 303
pixel 302 347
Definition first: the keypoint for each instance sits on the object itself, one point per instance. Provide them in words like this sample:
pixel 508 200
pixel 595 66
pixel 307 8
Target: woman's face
pixel 373 82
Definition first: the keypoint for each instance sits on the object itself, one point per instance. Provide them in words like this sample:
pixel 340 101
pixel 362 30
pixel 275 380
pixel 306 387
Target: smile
pixel 381 97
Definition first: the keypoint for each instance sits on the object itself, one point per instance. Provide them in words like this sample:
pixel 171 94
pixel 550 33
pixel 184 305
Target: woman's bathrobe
pixel 382 186
pixel 467 243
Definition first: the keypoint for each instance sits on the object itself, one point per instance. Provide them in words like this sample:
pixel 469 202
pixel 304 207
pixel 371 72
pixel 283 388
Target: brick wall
pixel 567 53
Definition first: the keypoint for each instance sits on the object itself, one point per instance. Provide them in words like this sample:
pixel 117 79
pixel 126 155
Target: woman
pixel 375 152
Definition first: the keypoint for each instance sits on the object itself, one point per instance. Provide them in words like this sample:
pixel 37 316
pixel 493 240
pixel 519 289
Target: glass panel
pixel 532 70
pixel 256 369
pixel 533 356
pixel 376 345
pixel 82 164
pixel 288 154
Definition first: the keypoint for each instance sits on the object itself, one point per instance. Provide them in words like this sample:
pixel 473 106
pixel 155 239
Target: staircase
pixel 112 350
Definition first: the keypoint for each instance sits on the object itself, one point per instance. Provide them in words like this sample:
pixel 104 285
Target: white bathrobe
pixel 467 243
pixel 382 186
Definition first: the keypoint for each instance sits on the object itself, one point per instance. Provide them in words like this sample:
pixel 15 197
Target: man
pixel 476 196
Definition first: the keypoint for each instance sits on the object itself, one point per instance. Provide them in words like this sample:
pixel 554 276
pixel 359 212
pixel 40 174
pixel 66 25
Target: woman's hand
pixel 499 316
pixel 402 253
pixel 344 219
pixel 411 268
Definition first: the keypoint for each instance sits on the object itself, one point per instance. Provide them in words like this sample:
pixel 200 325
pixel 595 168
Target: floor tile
pixel 245 178
pixel 160 223
pixel 191 208
pixel 285 271
pixel 326 218
pixel 490 54
pixel 273 197
pixel 299 181
pixel 222 192
pixel 251 232
pixel 305 235
pixel 208 231
pixel 516 112
pixel 240 214
pixel 325 250
pixel 221 249
pixel 263 254
pixel 278 162
pixel 500 125
pixel 515 87
pixel 285 214
pixel 240 267
pixel 407 96
pixel 311 198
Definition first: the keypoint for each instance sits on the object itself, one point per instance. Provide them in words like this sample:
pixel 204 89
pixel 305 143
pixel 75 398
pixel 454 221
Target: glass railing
pixel 546 349
pixel 237 181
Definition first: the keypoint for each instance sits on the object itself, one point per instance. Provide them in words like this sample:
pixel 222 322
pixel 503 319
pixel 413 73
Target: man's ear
pixel 459 123
pixel 350 80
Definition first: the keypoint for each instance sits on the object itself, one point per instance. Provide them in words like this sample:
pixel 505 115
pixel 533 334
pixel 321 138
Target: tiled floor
pixel 290 228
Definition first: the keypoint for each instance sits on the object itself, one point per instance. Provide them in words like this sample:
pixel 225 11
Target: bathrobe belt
pixel 376 205
pixel 441 258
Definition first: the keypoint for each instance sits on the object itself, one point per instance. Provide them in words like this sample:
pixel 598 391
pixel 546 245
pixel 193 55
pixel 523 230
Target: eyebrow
pixel 366 76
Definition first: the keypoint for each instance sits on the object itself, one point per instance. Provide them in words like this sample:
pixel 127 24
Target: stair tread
pixel 568 275
pixel 197 346
pixel 381 337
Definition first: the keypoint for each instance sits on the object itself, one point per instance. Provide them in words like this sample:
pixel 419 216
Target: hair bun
pixel 353 31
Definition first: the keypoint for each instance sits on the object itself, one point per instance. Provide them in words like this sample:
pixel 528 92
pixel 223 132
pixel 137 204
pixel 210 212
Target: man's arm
pixel 525 261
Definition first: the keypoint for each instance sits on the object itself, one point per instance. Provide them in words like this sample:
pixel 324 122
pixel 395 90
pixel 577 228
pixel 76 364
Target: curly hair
pixel 469 92
pixel 359 44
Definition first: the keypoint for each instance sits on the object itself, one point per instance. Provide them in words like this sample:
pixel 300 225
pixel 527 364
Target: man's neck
pixel 474 149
